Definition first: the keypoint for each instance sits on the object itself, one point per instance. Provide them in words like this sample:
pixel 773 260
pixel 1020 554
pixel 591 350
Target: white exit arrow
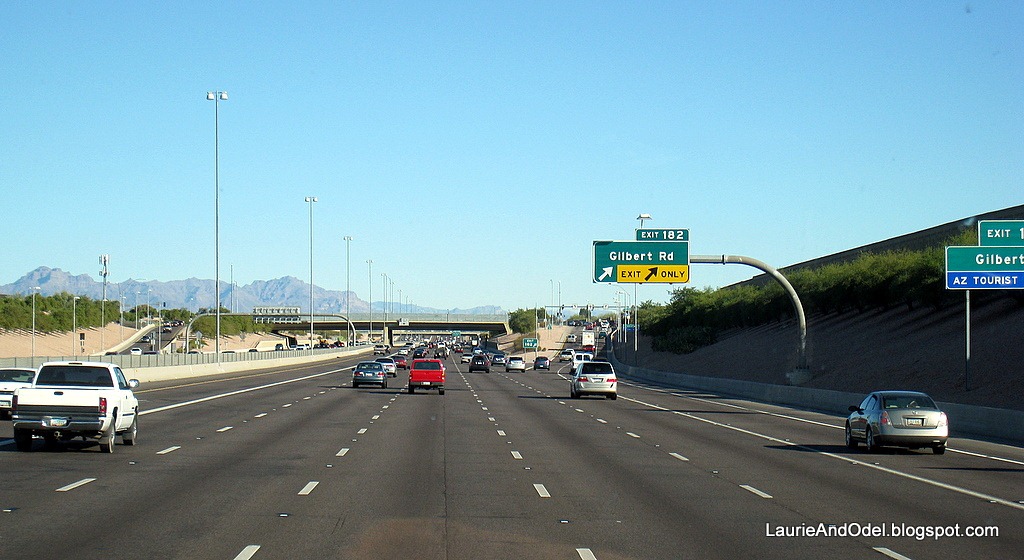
pixel 607 271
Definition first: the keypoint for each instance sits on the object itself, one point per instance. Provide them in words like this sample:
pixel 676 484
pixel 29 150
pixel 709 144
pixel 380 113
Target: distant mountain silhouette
pixel 195 293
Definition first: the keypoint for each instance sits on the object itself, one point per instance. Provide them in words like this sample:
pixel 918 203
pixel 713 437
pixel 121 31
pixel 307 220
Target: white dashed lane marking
pixel 74 485
pixel 247 552
pixel 308 488
pixel 517 455
pixel 225 428
pixel 678 456
pixel 168 450
pixel 585 554
pixel 341 453
pixel 542 491
pixel 753 490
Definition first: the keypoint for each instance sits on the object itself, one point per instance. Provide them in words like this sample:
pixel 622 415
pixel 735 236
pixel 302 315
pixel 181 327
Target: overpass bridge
pixel 377 325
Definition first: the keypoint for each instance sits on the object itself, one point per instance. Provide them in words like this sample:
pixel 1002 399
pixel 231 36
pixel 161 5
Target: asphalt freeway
pixel 294 463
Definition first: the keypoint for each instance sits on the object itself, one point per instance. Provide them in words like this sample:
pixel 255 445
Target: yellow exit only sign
pixel 650 274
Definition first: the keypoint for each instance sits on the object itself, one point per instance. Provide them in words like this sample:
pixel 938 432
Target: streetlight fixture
pixel 35 290
pixel 348 287
pixel 369 266
pixel 74 325
pixel 643 217
pixel 311 200
pixel 216 97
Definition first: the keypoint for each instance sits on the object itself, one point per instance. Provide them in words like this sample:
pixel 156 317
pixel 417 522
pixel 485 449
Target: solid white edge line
pixel 935 483
pixel 342 452
pixel 542 490
pixel 890 554
pixel 308 488
pixel 585 554
pixel 247 552
pixel 753 490
pixel 168 450
pixel 74 485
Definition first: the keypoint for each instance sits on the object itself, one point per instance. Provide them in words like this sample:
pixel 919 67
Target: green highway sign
pixel 993 268
pixel 673 234
pixel 456 333
pixel 529 343
pixel 1001 233
pixel 642 262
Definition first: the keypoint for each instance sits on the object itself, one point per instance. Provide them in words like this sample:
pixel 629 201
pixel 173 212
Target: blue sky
pixel 474 150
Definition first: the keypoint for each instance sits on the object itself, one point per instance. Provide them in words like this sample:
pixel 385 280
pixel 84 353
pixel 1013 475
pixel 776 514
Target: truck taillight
pixel 103 406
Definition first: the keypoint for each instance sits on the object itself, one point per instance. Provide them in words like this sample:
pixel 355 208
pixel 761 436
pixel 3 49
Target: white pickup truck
pixel 91 400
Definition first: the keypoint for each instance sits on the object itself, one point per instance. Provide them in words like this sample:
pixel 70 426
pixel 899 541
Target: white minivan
pixel 580 357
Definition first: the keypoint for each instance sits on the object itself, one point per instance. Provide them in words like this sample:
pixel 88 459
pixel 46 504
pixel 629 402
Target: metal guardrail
pixel 127 361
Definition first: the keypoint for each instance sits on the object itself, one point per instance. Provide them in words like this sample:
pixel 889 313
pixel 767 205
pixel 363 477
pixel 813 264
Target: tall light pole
pixel 35 290
pixel 369 287
pixel 310 200
pixel 74 325
pixel 348 287
pixel 216 97
pixel 384 288
pixel 636 303
pixel 104 260
pixel 122 317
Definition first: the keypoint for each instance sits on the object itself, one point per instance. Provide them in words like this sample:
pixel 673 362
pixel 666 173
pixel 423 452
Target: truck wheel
pixel 440 390
pixel 107 441
pixel 411 389
pixel 132 435
pixel 23 439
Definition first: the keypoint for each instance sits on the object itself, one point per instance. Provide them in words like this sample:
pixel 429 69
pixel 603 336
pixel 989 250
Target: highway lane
pixel 502 466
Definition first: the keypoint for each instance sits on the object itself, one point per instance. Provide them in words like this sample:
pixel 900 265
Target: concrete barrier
pixel 995 424
pixel 166 373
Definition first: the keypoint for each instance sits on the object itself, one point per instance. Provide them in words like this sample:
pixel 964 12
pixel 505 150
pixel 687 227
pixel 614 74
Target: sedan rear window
pixel 597 367
pixel 908 401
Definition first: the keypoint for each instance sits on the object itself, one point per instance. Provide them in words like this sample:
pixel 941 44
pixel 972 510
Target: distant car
pixel 372 373
pixel 12 379
pixel 571 339
pixel 420 352
pixel 253 350
pixel 566 355
pixel 441 352
pixel 390 367
pixel 400 361
pixel 135 351
pixel 466 358
pixel 515 363
pixel 898 418
pixel 480 363
pixel 580 357
pixel 542 362
pixel 498 360
pixel 593 378
pixel 380 349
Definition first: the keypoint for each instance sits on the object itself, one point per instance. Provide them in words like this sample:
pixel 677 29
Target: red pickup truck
pixel 426 374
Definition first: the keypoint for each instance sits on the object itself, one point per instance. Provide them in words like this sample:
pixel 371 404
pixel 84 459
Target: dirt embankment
pixel 922 350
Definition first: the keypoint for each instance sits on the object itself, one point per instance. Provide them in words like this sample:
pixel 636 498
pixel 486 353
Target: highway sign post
pixel 642 262
pixel 997 263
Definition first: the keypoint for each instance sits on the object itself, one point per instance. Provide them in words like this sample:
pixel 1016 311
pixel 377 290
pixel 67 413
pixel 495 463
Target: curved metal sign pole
pixel 771 271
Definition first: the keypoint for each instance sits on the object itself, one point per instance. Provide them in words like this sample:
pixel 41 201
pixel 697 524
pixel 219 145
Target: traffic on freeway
pixel 295 462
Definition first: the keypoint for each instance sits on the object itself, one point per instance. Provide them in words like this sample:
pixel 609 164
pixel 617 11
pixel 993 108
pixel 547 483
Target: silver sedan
pixel 899 418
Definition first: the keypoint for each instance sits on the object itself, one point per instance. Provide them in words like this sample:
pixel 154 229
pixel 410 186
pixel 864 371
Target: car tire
pixel 939 449
pixel 385 384
pixel 869 440
pixel 23 439
pixel 355 385
pixel 613 396
pixel 132 435
pixel 850 442
pixel 411 389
